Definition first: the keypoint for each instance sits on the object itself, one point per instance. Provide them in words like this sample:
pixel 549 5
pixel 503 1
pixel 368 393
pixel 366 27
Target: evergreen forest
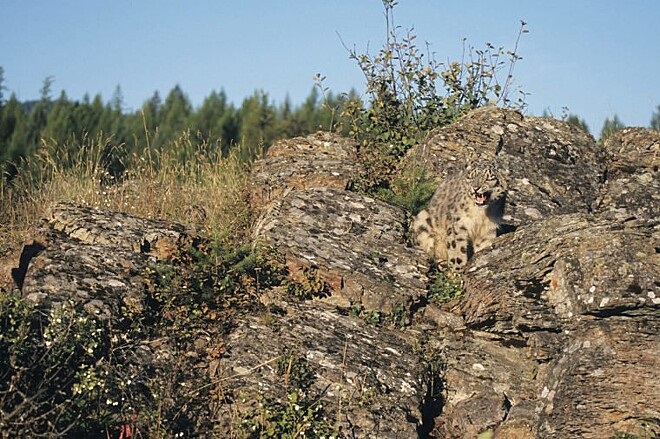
pixel 26 126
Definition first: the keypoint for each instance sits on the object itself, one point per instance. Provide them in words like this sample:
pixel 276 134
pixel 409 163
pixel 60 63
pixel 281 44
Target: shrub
pixel 409 93
pixel 300 413
pixel 66 373
pixel 51 374
pixel 445 285
pixel 307 283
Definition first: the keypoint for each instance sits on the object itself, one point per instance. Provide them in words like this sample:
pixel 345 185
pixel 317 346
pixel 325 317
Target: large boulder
pixel 95 257
pixel 559 301
pixel 632 186
pixel 370 380
pixel 318 160
pixel 550 166
pixel 357 244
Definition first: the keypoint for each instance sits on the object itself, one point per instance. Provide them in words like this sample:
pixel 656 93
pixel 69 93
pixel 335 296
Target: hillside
pixel 330 323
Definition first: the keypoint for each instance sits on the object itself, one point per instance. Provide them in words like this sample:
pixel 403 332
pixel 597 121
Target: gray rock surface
pixel 633 174
pixel 575 310
pixel 369 378
pixel 318 160
pixel 96 257
pixel 551 167
pixel 357 243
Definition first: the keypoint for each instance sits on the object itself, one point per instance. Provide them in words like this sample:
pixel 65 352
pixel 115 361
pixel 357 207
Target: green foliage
pixel 49 366
pixel 295 370
pixel 300 414
pixel 655 119
pixel 610 126
pixel 373 317
pixel 201 283
pixel 2 86
pixel 175 113
pixel 576 121
pixel 409 93
pixel 157 124
pixel 69 374
pixel 307 283
pixel 328 119
pixel 445 285
pixel 410 189
pixel 399 316
pixel 216 119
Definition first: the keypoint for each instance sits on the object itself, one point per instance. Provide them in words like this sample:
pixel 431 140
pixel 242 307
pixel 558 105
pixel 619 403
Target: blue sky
pixel 596 57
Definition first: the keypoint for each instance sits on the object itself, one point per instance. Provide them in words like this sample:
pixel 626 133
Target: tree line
pixel 217 121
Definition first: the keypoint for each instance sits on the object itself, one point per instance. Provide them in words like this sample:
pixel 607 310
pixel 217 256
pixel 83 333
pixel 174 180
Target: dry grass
pixel 185 181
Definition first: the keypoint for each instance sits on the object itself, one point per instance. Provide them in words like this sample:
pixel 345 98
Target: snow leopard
pixel 463 215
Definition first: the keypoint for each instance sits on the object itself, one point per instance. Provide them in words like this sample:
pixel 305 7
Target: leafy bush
pixel 307 283
pixel 209 281
pixel 445 285
pixel 300 414
pixel 409 93
pixel 51 376
pixel 65 373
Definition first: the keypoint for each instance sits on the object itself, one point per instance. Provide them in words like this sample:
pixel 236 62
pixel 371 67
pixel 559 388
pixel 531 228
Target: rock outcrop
pixel 553 167
pixel 357 243
pixel 94 257
pixel 557 333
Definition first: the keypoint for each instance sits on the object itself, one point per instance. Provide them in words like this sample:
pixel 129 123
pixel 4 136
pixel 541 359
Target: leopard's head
pixel 485 183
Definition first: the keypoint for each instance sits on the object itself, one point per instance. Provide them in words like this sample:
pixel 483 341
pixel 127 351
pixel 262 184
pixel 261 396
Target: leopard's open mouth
pixel 481 198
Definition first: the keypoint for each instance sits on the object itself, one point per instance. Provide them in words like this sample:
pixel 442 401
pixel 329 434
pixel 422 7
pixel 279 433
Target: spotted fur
pixel 463 216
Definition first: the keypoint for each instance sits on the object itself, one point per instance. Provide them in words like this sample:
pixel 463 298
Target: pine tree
pixel 215 121
pixel 577 122
pixel 290 123
pixel 142 126
pixel 59 121
pixel 10 115
pixel 206 120
pixel 87 116
pixel 655 119
pixel 2 86
pixel 174 114
pixel 256 117
pixel 117 124
pixel 610 126
pixel 229 128
pixel 18 145
pixel 26 137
